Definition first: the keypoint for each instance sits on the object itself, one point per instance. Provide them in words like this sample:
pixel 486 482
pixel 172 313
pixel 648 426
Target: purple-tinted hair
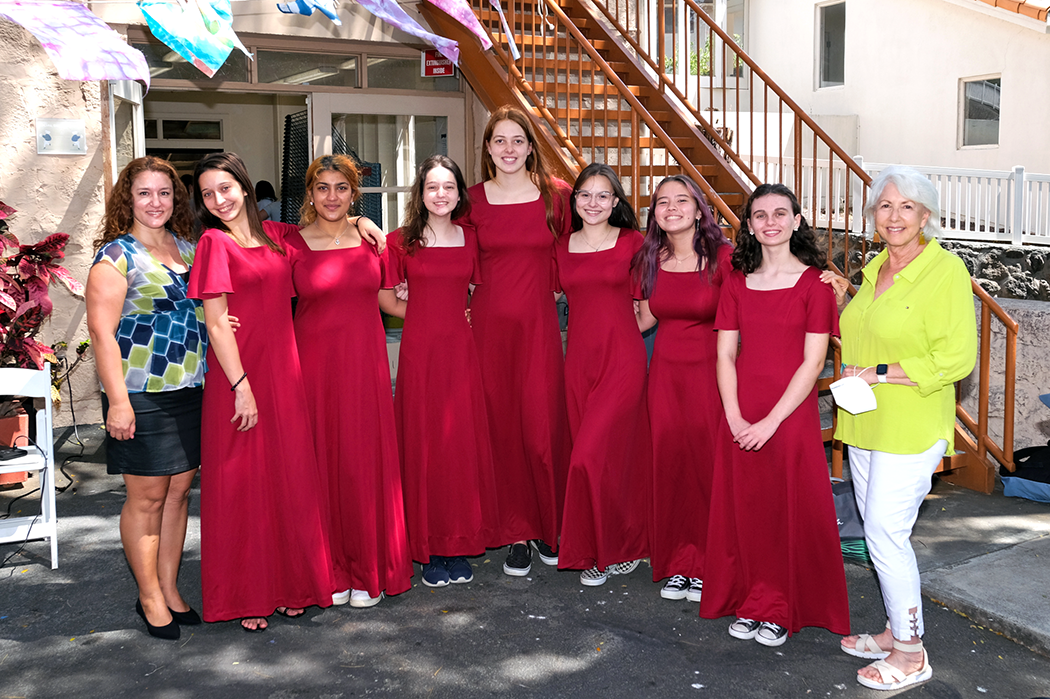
pixel 655 250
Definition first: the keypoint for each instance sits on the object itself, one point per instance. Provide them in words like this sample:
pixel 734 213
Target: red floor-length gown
pixel 439 405
pixel 684 412
pixel 342 347
pixel 606 513
pixel 773 547
pixel 522 365
pixel 263 529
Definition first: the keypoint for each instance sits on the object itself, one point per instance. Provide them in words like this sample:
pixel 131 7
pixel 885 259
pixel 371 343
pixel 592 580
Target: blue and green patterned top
pixel 162 336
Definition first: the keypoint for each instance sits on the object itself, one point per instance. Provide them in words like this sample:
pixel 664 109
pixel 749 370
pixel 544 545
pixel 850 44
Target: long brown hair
pixel 119 218
pixel 534 163
pixel 416 213
pixel 231 163
pixel 327 163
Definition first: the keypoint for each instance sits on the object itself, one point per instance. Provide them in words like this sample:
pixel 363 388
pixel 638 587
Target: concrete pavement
pixel 73 631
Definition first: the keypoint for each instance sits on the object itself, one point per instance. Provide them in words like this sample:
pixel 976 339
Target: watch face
pixel 882 369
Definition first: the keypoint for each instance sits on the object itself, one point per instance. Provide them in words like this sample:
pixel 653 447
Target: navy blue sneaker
pixel 435 574
pixel 459 570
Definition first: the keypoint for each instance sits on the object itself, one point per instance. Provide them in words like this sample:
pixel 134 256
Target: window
pixel 832 53
pixel 979 106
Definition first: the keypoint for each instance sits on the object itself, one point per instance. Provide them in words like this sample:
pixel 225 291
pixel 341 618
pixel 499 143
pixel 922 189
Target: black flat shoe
pixel 257 629
pixel 169 632
pixel 187 618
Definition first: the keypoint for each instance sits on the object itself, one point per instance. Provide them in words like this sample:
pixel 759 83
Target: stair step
pixel 612 114
pixel 627 142
pixel 585 88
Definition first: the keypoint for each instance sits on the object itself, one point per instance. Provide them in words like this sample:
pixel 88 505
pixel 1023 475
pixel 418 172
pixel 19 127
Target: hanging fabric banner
pixel 201 31
pixel 392 13
pixel 81 45
pixel 462 12
pixel 307 7
pixel 514 52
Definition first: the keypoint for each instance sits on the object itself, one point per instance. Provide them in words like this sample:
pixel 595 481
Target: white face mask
pixel 854 395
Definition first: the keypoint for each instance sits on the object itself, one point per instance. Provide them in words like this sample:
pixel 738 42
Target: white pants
pixel 889 489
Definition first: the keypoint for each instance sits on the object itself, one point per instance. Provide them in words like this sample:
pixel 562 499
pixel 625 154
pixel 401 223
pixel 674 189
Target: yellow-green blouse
pixel 926 321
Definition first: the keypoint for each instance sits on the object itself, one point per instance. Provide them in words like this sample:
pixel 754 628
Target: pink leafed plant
pixel 26 273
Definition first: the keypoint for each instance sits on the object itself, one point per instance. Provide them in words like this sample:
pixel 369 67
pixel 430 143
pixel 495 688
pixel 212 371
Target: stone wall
pixel 52 193
pixel 1004 271
pixel 1031 417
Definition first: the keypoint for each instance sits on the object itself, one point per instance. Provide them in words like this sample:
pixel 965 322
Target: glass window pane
pixel 284 68
pixel 833 45
pixel 185 130
pixel 398 143
pixel 124 137
pixel 168 65
pixel 151 128
pixel 981 118
pixel 403 74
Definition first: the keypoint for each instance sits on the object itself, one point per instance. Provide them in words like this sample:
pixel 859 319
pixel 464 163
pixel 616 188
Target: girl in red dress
pixel 519 211
pixel 605 528
pixel 773 551
pixel 263 526
pixel 342 347
pixel 681 268
pixel 439 405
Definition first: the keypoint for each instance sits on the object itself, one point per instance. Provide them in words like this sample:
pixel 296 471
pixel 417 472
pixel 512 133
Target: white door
pixel 395 132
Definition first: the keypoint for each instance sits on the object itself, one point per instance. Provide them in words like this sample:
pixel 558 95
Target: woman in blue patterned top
pixel 150 342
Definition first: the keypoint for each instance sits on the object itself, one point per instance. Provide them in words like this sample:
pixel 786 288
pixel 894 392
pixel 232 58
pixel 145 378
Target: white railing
pixel 996 206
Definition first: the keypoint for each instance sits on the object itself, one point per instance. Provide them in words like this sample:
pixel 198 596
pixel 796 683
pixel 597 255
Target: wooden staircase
pixel 599 89
pixel 591 99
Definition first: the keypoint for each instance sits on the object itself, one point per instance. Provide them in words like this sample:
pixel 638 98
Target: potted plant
pixel 26 273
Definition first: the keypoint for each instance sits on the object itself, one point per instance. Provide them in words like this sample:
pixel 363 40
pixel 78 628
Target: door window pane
pixel 981 112
pixel 398 144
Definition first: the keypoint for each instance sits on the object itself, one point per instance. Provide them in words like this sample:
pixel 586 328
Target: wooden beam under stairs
pixel 966 467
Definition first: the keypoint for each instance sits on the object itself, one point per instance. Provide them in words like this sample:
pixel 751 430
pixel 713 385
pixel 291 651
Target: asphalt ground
pixel 73 632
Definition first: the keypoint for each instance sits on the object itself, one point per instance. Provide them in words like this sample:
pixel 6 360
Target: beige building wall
pixel 903 65
pixel 52 193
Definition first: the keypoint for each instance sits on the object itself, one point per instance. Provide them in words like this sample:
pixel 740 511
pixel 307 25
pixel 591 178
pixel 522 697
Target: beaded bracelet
pixel 238 383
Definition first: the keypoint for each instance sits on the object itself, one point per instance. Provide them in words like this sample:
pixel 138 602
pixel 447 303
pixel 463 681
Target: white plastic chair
pixel 34 384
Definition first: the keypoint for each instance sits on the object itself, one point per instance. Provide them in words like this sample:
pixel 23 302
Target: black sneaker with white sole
pixel 675 588
pixel 519 560
pixel 744 628
pixel 547 554
pixel 770 634
pixel 695 591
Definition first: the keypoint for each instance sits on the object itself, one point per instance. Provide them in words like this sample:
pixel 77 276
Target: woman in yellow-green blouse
pixel 911 333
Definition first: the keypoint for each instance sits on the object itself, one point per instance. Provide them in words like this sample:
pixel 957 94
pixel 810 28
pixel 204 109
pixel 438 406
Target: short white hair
pixel 911 184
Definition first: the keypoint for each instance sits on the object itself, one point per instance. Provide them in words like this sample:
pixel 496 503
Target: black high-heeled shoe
pixel 190 617
pixel 169 632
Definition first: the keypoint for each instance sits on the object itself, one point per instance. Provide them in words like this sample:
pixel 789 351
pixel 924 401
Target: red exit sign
pixel 434 65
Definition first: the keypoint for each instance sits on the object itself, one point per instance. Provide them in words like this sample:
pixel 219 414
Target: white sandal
pixel 898 679
pixel 866 647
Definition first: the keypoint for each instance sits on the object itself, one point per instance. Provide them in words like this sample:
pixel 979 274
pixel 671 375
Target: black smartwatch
pixel 880 372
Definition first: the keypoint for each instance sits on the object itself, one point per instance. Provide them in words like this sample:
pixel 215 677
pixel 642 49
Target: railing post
pixel 1020 197
pixel 857 192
